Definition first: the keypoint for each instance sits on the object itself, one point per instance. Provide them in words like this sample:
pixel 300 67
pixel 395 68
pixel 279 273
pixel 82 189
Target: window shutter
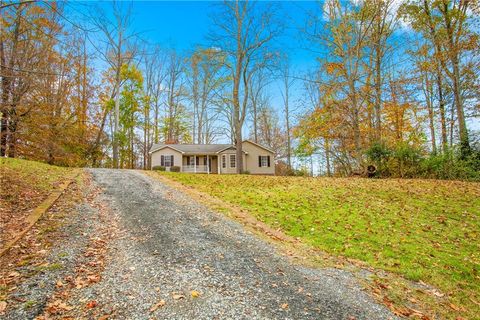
pixel 162 160
pixel 197 160
pixel 171 161
pixel 259 161
pixel 268 161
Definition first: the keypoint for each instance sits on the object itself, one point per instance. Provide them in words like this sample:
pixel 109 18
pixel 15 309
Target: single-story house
pixel 213 158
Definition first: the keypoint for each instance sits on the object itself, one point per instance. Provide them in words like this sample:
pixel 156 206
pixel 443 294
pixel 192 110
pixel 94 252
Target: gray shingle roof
pixel 194 148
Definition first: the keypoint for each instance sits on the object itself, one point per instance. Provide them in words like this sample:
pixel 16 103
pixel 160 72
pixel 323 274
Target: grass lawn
pixel 424 230
pixel 24 185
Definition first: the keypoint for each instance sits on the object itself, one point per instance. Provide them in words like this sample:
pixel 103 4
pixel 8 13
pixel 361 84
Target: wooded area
pixel 92 92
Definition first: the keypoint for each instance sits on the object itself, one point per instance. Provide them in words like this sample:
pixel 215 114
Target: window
pixel 192 160
pixel 232 161
pixel 264 161
pixel 166 160
pixel 224 161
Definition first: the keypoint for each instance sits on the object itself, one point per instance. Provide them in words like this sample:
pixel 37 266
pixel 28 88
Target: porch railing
pixel 199 168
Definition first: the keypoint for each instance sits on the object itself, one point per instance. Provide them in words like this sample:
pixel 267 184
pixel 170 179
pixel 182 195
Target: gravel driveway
pixel 170 246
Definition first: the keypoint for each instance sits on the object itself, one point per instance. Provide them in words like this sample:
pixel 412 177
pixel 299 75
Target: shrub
pixel 452 165
pixel 159 168
pixel 406 159
pixel 175 169
pixel 380 154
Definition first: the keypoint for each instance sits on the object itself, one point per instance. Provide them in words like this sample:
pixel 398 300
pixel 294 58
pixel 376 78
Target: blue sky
pixel 185 24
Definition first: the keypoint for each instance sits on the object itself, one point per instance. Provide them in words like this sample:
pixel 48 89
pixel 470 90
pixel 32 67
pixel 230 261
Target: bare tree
pixel 176 93
pixel 382 28
pixel 155 74
pixel 206 78
pixel 287 83
pixel 120 47
pixel 243 32
pixel 257 98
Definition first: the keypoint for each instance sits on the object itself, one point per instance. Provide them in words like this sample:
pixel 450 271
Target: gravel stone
pixel 33 293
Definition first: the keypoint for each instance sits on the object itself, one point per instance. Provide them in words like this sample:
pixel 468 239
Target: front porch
pixel 200 163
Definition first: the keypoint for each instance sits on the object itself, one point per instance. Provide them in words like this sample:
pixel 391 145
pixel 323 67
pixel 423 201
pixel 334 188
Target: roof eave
pixel 166 146
pixel 259 145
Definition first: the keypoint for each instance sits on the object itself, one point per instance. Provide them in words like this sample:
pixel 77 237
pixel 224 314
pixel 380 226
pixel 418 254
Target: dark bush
pixel 379 154
pixel 159 168
pixel 452 165
pixel 406 160
pixel 175 169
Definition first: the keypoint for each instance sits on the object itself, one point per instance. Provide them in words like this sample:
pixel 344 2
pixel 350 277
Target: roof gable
pixel 259 145
pixel 201 148
pixel 192 148
pixel 161 147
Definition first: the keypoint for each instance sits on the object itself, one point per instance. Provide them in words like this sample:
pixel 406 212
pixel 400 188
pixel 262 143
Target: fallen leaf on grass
pixel 284 306
pixel 436 293
pixel 178 296
pixel 454 307
pixel 3 306
pixel 157 305
pixel 92 304
pixel 195 294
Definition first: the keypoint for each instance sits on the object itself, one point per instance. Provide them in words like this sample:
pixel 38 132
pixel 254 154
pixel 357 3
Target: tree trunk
pixel 327 156
pixel 12 143
pixel 441 107
pixel 4 102
pixel 432 128
pixel 464 143
pixel 378 92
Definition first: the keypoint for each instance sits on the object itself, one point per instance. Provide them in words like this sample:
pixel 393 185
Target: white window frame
pixel 191 160
pixel 264 161
pixel 169 157
pixel 234 158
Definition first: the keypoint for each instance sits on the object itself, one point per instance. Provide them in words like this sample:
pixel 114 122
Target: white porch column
pixel 195 164
pixel 208 167
pixel 218 164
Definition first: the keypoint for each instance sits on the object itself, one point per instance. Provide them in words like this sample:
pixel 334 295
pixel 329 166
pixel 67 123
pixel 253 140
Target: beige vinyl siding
pixel 227 153
pixel 253 152
pixel 156 156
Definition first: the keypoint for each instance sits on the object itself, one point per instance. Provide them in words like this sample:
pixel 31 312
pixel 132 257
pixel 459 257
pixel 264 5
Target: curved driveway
pixel 171 246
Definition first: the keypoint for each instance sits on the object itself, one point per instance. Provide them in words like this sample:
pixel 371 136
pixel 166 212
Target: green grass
pixel 420 229
pixel 29 304
pixel 49 267
pixel 24 185
pixel 28 182
pixel 40 176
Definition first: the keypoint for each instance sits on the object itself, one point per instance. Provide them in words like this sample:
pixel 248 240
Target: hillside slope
pixel 422 230
pixel 24 185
